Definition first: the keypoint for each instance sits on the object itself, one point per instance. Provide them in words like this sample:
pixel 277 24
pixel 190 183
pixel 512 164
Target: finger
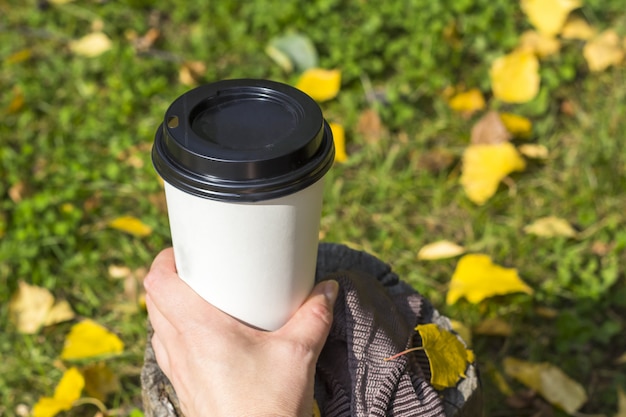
pixel 311 323
pixel 160 324
pixel 169 293
pixel 178 303
pixel 165 260
pixel 160 353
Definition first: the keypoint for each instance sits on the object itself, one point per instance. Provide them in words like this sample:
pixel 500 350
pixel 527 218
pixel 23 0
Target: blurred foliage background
pixel 76 133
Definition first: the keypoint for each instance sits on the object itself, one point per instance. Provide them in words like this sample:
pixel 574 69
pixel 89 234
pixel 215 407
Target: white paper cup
pixel 243 164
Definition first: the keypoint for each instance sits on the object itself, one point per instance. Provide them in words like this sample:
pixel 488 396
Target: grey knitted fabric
pixel 375 317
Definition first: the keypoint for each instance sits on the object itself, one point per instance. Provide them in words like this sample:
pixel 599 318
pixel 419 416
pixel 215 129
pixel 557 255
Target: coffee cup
pixel 243 163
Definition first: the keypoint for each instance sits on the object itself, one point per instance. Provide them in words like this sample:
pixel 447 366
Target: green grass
pixel 78 153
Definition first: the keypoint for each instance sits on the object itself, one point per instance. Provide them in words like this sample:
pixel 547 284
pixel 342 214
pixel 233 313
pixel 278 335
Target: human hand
pixel 221 367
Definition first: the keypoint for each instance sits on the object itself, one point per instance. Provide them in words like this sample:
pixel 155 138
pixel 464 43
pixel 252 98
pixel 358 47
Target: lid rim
pixel 251 190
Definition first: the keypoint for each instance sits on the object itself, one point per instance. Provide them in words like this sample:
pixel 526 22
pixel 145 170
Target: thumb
pixel 311 323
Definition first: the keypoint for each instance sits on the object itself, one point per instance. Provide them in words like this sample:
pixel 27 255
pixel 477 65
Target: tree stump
pixel 463 400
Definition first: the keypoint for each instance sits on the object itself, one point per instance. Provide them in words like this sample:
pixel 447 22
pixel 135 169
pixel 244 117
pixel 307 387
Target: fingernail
pixel 331 289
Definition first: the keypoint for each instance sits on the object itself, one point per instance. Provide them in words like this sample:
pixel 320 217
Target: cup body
pixel 255 261
pixel 244 195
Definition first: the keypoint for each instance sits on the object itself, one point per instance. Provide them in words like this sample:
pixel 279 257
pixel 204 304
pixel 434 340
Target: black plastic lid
pixel 243 140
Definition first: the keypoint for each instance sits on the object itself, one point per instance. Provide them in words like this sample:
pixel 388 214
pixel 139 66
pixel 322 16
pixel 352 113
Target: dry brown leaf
pixel 100 381
pixel 603 51
pixel 493 327
pixel 191 73
pixel 370 126
pixel 490 130
pixel 145 42
pixel 436 160
pixel 546 312
pixel 568 107
pixel 16 191
pixel 91 45
pixel 621 360
pixel 601 248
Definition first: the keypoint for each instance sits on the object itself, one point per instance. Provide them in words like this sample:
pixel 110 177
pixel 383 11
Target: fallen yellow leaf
pixel 577 28
pixel 448 357
pixel 515 77
pixel 316 409
pixel 17 102
pixel 476 277
pixel 499 380
pixel 91 45
pixel 19 56
pixel 549 381
pixel 548 16
pixel 603 51
pixel 540 44
pixel 320 84
pixel 621 403
pixel 484 166
pixel 131 225
pixel 550 226
pixel 339 137
pixel 60 312
pixel 32 307
pixel 88 339
pixel 441 249
pixel 534 151
pixel 518 126
pixel 66 393
pixel 29 307
pixel 468 101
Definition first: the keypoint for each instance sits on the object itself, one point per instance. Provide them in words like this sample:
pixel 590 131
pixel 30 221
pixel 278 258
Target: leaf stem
pixel 93 401
pixel 404 352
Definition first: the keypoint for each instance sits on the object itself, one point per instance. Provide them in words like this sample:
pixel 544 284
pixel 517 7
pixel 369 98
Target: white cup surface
pixel 254 261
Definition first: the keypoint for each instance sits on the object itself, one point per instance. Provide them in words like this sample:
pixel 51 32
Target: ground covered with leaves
pixel 480 153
